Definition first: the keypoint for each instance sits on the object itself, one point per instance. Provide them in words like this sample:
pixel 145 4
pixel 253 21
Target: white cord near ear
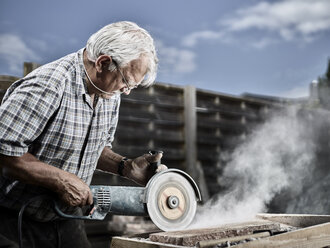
pixel 104 92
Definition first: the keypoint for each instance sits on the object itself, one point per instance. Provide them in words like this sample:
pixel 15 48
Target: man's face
pixel 123 80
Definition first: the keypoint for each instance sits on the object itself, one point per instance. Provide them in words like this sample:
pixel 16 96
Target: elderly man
pixel 56 127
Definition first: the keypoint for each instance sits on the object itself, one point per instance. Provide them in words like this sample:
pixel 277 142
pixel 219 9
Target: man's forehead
pixel 140 64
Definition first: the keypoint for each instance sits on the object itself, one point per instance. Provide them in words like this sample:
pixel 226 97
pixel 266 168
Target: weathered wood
pixel 6 81
pixel 190 129
pixel 193 167
pixel 297 220
pixel 122 242
pixel 191 237
pixel 229 241
pixel 29 66
pixel 311 237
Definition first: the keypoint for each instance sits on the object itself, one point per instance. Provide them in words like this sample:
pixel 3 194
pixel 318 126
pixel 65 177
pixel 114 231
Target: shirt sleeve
pixel 26 108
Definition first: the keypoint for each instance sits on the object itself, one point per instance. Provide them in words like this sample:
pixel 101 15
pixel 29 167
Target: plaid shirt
pixel 50 115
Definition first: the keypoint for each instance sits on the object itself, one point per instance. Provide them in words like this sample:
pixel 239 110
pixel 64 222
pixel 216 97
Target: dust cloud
pixel 274 166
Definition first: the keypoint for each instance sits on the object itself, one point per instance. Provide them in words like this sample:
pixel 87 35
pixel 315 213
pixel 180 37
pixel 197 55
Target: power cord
pixel 20 219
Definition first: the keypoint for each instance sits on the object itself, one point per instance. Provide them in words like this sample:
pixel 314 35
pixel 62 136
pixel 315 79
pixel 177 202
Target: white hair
pixel 124 42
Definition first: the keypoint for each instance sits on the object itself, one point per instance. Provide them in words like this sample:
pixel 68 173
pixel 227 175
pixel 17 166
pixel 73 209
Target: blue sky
pixel 231 46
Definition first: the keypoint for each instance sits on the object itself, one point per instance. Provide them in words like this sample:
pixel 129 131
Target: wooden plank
pixel 122 242
pixel 230 241
pixel 191 237
pixel 29 66
pixel 190 129
pixel 297 220
pixel 6 81
pixel 310 237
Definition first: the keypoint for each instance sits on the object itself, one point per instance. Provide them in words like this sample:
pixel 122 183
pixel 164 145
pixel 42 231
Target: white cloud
pixel 264 42
pixel 15 52
pixel 173 59
pixel 290 19
pixel 191 39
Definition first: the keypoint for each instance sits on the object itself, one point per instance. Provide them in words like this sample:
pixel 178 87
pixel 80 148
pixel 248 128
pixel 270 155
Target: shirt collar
pixel 80 74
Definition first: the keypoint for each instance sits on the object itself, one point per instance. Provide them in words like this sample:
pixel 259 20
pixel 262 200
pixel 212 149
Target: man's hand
pixel 140 169
pixel 73 191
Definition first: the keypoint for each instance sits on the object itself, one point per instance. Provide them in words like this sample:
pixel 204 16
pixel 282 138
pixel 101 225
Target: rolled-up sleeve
pixel 25 111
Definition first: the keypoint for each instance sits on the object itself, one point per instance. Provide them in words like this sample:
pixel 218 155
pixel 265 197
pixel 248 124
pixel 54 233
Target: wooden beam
pixel 227 242
pixel 122 242
pixel 6 81
pixel 311 237
pixel 28 67
pixel 297 220
pixel 190 130
pixel 193 167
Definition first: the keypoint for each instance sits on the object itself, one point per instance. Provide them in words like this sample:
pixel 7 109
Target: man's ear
pixel 102 63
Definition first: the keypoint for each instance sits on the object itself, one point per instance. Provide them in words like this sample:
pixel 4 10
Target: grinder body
pixel 169 198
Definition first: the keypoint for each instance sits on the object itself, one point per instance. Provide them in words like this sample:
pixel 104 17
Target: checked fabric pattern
pixel 50 115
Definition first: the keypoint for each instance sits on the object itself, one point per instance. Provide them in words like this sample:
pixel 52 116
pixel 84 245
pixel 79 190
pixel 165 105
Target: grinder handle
pixel 153 166
pixel 89 215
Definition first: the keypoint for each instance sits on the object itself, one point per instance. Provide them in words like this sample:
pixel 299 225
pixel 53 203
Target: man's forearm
pixel 30 170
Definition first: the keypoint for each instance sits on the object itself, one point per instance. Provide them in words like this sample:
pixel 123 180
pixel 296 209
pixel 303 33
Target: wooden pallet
pixel 268 230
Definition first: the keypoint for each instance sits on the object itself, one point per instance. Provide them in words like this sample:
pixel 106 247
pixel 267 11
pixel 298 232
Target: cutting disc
pixel 171 201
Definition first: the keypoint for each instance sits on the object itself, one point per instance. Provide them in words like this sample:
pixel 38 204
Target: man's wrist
pixel 121 166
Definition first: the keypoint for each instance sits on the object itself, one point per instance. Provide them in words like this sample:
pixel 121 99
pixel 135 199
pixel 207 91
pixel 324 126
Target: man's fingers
pixel 154 158
pixel 76 192
pixel 83 200
pixel 90 198
pixel 87 198
pixel 161 167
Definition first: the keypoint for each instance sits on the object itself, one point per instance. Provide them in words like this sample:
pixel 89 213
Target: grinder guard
pixel 184 174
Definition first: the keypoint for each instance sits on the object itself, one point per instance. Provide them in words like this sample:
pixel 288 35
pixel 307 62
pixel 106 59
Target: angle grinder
pixel 170 199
